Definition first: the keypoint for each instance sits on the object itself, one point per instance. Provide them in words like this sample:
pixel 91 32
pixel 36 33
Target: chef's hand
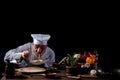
pixel 25 54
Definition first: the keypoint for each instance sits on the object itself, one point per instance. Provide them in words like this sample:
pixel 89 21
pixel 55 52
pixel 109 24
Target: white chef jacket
pixel 15 54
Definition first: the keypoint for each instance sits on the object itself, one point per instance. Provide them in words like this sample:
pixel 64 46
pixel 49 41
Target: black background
pixel 72 29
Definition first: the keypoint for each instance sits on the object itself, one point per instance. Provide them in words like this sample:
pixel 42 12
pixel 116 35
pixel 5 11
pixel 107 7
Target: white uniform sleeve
pixel 51 54
pixel 15 54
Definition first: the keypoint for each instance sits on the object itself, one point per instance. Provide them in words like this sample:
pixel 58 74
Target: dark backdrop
pixel 73 28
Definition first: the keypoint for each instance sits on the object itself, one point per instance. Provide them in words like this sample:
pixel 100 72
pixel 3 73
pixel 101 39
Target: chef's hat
pixel 40 38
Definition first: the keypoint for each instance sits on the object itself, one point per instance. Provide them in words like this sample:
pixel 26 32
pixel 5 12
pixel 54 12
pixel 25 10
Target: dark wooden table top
pixel 60 75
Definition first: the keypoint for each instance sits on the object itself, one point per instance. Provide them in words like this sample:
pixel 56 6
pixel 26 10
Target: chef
pixel 38 49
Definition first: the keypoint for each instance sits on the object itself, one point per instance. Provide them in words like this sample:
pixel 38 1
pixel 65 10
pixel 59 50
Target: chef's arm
pixel 17 56
pixel 12 55
pixel 51 60
pixel 18 53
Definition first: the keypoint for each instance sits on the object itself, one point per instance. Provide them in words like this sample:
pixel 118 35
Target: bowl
pixel 38 62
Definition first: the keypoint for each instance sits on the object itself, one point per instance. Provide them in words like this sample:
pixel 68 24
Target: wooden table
pixel 60 75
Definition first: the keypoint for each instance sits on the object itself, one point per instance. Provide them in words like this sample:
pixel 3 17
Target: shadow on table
pixel 16 77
